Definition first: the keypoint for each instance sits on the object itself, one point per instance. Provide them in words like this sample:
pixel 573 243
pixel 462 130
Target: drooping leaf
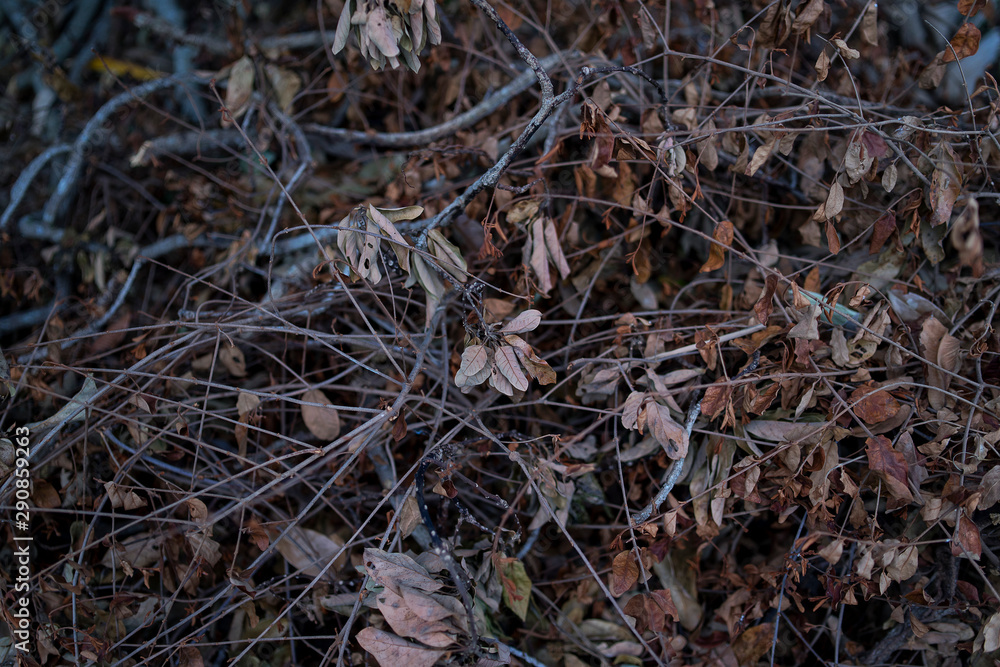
pixel 507 363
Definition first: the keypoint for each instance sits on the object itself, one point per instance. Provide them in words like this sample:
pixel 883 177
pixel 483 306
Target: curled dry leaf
pixel 448 254
pixel 418 615
pixel 723 237
pixel 122 498
pixel 322 420
pixel 394 570
pixel 536 367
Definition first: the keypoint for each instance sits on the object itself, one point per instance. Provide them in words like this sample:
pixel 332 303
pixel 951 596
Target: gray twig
pixel 91 136
pixel 426 136
pixel 27 176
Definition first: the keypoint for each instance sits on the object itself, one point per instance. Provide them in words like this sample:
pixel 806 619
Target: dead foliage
pixel 554 334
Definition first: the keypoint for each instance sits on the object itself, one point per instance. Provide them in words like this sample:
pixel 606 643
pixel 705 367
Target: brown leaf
pixel 667 432
pixel 246 403
pixel 946 353
pixel 765 304
pixel 716 398
pixel 834 201
pixel 807 16
pixel 257 533
pixel 890 466
pixel 874 405
pixel 239 89
pixel 723 235
pixel 310 551
pixel 881 231
pixel 651 611
pixel 869 25
pixel 760 155
pixel 392 651
pixel 233 360
pixel 189 656
pixel 526 321
pixel 394 570
pixel 967 238
pixel 624 573
pixel 966 541
pixel 965 43
pixel 751 646
pixel 417 615
pixel 832 238
pixel 122 497
pixel 822 66
pixel 321 420
pixel 904 565
pixel 507 363
pixel 970 8
pixel 46 496
pixel 946 185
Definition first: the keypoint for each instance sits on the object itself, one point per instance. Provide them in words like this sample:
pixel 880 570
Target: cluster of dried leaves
pixel 225 471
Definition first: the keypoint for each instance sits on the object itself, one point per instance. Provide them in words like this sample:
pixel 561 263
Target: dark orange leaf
pixel 967 540
pixel 723 236
pixel 762 309
pixel 874 405
pixel 716 398
pixel 965 43
pixel 832 238
pixel 970 7
pixel 881 231
pixel 624 573
pixel 890 466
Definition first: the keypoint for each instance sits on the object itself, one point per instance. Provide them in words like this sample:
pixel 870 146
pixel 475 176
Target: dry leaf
pixel 122 498
pixel 723 236
pixel 869 25
pixel 309 551
pixel 822 66
pixel 246 403
pixel 966 542
pixel 507 363
pixel 239 89
pixel 834 201
pixel 233 360
pixel 526 321
pixel 624 573
pixel 320 418
pixel 392 651
pixel 965 43
pixel 891 467
pixel 874 405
